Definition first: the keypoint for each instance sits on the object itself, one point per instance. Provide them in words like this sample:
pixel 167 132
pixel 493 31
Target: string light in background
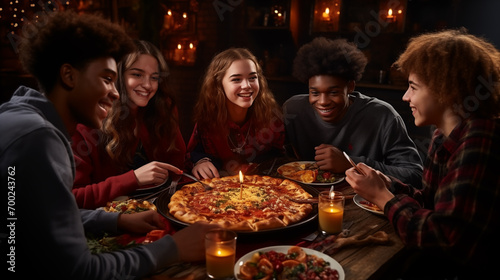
pixel 18 12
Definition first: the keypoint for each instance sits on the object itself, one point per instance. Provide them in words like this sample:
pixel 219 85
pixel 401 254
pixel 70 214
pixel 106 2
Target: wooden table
pixel 373 261
pixel 359 262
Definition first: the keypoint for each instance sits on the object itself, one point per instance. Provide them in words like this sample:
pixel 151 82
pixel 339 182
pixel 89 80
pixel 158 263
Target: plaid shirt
pixel 458 211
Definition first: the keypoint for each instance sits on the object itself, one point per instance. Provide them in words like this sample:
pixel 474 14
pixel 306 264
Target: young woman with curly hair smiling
pixel 334 118
pixel 238 121
pixel 140 141
pixel 452 225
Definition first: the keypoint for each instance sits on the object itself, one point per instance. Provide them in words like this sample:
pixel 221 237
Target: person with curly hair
pixel 334 118
pixel 139 136
pixel 237 120
pixel 452 224
pixel 73 58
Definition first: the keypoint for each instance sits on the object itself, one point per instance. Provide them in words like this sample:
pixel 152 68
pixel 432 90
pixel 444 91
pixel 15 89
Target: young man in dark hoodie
pixel 73 57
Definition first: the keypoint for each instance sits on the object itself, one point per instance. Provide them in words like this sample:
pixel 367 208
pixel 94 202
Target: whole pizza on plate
pixel 259 203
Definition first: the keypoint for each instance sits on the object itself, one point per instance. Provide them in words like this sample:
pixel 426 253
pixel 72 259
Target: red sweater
pixel 98 180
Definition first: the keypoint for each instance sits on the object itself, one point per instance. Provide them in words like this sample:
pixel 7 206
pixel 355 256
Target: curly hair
pixel 323 56
pixel 210 110
pixel 456 67
pixel 158 116
pixel 67 37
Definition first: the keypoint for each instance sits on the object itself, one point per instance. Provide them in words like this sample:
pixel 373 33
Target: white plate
pixel 340 179
pixel 357 199
pixel 284 249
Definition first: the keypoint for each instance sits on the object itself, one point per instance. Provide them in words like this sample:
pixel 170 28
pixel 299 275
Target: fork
pixel 173 185
pixel 171 190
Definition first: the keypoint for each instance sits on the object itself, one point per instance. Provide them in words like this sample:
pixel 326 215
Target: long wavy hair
pixel 210 111
pixel 158 116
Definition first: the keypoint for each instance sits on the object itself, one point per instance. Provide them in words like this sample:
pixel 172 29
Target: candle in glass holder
pixel 331 212
pixel 220 253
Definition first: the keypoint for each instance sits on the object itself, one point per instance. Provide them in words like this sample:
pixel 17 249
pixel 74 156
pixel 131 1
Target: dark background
pixel 219 24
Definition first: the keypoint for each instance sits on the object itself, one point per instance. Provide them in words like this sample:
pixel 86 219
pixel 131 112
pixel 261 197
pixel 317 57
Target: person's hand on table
pixel 373 187
pixel 190 241
pixel 139 223
pixel 154 173
pixel 205 170
pixel 331 159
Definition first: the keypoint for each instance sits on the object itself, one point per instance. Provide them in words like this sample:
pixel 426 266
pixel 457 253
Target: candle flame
pixel 184 15
pixel 169 12
pixel 389 12
pixel 219 252
pixel 327 11
pixel 179 46
pixel 332 193
pixel 241 177
pixel 191 45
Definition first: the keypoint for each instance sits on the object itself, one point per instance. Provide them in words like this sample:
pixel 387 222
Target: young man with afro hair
pixel 73 57
pixel 333 118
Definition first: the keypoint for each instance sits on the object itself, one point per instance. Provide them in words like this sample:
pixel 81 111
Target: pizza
pixel 259 203
pixel 307 172
pixel 371 206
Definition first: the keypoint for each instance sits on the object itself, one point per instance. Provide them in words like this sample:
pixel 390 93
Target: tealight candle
pixel 220 253
pixel 331 212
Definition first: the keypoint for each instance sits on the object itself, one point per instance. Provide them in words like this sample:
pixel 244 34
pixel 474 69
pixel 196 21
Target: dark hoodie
pixel 46 230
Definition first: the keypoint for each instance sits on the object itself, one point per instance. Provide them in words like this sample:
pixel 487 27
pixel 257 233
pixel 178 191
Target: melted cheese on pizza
pixel 261 203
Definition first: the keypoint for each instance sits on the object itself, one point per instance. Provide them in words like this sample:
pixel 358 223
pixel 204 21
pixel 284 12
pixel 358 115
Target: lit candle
pixel 191 56
pixel 178 53
pixel 168 20
pixel 331 212
pixel 390 16
pixel 220 261
pixel 241 185
pixel 326 14
pixel 330 219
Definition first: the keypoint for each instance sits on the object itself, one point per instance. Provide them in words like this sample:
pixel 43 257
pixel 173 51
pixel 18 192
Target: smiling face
pixel 141 80
pixel 241 85
pixel 94 92
pixel 329 96
pixel 424 106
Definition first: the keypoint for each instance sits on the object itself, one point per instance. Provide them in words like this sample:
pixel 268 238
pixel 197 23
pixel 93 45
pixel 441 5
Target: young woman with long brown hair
pixel 139 136
pixel 237 118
